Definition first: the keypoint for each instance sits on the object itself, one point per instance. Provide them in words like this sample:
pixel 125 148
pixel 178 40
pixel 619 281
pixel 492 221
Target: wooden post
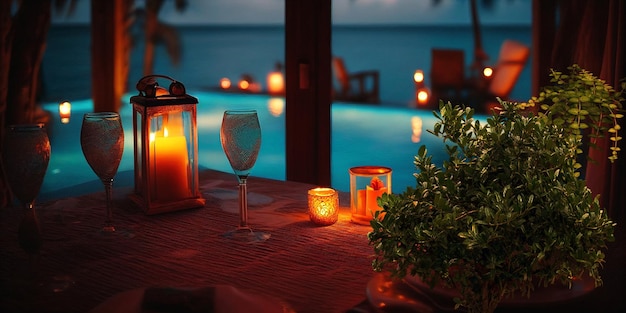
pixel 308 93
pixel 108 57
pixel 543 34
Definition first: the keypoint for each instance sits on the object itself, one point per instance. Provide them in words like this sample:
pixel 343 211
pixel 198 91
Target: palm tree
pixel 156 32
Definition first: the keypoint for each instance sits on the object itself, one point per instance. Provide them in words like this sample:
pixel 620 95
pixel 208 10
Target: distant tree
pixel 155 32
pixel 24 26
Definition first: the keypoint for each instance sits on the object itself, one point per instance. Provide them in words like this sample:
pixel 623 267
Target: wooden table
pixel 311 268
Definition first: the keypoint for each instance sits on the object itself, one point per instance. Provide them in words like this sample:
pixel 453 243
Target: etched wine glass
pixel 240 136
pixel 102 142
pixel 26 154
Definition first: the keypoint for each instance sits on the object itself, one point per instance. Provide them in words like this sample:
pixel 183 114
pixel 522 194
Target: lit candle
pixel 368 198
pixel 65 110
pixel 422 96
pixel 275 83
pixel 170 167
pixel 225 83
pixel 323 206
pixel 367 184
pixel 418 76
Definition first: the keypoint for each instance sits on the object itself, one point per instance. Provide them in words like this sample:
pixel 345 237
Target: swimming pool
pixel 361 135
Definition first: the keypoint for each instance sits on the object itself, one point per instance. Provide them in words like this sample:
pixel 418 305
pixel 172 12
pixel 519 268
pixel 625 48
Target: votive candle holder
pixel 323 206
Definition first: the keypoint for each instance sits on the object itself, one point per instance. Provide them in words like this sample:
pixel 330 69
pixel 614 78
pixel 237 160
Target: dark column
pixel 543 33
pixel 107 54
pixel 308 96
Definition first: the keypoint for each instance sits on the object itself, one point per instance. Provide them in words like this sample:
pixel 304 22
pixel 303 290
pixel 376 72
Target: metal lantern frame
pixel 152 109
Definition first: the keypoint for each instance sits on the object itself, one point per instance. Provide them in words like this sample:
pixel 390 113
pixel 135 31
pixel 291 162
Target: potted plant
pixel 506 213
pixel 586 106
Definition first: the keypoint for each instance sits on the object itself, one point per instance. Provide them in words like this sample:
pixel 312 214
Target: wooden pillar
pixel 308 95
pixel 543 34
pixel 108 44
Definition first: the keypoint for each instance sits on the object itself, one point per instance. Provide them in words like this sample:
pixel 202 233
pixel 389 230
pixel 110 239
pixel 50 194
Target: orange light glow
pixel 418 76
pixel 244 84
pixel 275 83
pixel 225 83
pixel 487 71
pixel 276 106
pixel 323 206
pixel 65 111
pixel 416 126
pixel 422 96
pixel 367 184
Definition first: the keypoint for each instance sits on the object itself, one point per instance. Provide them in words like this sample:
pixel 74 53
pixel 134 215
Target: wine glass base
pixel 247 235
pixel 113 232
pixel 108 229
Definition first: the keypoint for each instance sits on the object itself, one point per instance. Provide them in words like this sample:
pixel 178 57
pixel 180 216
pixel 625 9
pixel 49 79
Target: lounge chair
pixel 511 61
pixel 447 75
pixel 355 87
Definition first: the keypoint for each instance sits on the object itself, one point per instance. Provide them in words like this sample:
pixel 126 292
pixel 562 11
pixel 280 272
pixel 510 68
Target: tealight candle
pixel 65 111
pixel 323 206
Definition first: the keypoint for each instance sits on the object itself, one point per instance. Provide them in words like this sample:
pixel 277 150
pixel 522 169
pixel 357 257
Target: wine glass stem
pixel 108 223
pixel 243 203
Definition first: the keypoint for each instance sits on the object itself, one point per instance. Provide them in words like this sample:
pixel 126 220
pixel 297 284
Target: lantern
pixel 165 147
pixel 367 184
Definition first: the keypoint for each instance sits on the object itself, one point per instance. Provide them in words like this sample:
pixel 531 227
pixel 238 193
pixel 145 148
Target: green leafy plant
pixel 504 214
pixel 583 104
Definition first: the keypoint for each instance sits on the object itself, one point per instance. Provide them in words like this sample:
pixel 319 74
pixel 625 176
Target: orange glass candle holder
pixel 367 184
pixel 323 206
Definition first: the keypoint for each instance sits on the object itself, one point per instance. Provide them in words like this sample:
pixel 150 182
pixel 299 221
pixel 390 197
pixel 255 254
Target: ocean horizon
pixel 212 52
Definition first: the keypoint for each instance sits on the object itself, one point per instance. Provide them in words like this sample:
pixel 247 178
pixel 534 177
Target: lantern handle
pixel 147 85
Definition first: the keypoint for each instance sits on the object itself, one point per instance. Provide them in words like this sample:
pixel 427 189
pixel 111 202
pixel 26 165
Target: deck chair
pixel 359 86
pixel 511 61
pixel 447 75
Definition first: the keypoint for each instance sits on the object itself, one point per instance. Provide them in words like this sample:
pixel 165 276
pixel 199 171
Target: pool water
pixel 361 135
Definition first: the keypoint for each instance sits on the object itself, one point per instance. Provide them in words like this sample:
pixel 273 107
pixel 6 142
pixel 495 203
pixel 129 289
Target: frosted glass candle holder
pixel 323 206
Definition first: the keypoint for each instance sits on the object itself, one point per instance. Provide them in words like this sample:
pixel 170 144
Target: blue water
pixel 212 52
pixel 361 135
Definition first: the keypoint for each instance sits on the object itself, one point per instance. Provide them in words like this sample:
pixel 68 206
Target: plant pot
pixel 411 294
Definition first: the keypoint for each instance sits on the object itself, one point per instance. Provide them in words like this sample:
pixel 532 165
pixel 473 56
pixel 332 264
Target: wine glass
pixel 102 142
pixel 25 154
pixel 240 136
